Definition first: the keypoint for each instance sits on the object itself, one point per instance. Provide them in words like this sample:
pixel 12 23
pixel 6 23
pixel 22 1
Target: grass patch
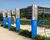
pixel 25 33
pixel 14 29
pixel 38 37
pixel 6 26
pixel 22 22
pixel 21 32
pixel 2 24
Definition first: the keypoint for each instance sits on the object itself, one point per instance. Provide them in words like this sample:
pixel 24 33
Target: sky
pixel 11 4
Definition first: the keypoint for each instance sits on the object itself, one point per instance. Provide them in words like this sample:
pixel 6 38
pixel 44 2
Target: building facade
pixel 28 11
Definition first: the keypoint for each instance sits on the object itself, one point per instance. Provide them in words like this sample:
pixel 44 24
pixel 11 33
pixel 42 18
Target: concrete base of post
pixel 34 28
pixel 17 23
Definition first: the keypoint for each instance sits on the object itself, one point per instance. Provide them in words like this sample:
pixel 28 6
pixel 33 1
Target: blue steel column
pixel 4 19
pixel 34 21
pixel 17 19
pixel 9 19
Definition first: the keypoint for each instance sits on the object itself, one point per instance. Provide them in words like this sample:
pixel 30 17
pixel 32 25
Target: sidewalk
pixel 5 34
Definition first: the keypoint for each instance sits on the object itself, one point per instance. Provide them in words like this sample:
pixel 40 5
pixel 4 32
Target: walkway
pixel 5 34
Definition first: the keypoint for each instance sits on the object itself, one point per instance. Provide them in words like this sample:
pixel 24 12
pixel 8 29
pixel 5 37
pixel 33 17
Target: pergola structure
pixel 34 16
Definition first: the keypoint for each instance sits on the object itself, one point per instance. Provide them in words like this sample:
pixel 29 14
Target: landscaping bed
pixel 27 33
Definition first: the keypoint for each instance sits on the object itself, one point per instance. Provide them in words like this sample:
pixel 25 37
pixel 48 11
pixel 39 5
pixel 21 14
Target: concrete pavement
pixel 5 34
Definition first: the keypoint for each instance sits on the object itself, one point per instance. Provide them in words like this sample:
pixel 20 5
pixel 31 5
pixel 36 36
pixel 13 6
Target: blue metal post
pixel 4 19
pixel 17 23
pixel 34 21
pixel 9 19
pixel 9 22
pixel 17 19
pixel 34 28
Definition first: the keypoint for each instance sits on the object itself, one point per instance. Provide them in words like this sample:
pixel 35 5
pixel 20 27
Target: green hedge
pixel 25 33
pixel 38 37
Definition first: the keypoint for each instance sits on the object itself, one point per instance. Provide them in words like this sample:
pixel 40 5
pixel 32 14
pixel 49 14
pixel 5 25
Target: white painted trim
pixel 17 13
pixel 34 12
pixel 4 14
pixel 9 14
